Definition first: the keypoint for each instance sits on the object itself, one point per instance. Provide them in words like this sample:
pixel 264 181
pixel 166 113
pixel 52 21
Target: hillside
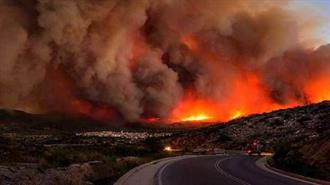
pixel 298 125
pixel 306 129
pixel 22 122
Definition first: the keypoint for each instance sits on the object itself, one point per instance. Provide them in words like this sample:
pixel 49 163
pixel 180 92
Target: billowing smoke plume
pixel 143 58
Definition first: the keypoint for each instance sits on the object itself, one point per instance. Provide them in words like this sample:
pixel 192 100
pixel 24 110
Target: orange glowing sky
pixel 247 98
pixel 247 95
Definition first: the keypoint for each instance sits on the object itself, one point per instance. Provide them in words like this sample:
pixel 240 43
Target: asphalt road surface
pixel 220 170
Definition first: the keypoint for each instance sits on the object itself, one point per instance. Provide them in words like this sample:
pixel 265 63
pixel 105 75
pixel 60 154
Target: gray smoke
pixel 141 56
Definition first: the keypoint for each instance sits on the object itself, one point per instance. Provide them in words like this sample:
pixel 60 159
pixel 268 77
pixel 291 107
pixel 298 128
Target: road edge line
pixel 124 178
pixel 131 172
pixel 262 163
pixel 175 159
pixel 161 169
pixel 158 175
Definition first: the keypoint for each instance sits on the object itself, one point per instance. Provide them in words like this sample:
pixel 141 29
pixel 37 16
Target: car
pixel 254 148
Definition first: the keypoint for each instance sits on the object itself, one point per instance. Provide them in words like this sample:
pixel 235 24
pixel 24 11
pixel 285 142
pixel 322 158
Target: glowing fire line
pixel 198 117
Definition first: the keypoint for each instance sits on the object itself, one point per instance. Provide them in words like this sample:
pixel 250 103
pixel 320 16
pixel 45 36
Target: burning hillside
pixel 158 61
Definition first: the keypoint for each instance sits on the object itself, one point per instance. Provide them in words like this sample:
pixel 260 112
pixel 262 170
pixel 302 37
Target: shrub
pixel 58 157
pixel 153 145
pixel 66 156
pixel 281 149
pixel 291 159
pixel 126 150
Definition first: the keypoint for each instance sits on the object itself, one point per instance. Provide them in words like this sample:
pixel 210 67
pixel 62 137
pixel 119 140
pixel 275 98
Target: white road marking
pixel 226 174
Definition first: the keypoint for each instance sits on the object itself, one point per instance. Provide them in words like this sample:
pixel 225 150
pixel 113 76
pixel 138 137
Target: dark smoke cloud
pixel 141 56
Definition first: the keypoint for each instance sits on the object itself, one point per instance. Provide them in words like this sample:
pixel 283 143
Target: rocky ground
pixel 305 128
pixel 29 175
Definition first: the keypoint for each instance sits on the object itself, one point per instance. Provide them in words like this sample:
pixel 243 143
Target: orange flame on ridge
pixel 247 94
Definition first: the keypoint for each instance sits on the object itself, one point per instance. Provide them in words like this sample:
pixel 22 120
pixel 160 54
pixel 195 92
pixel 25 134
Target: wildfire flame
pixel 192 109
pixel 246 98
pixel 247 95
pixel 236 114
pixel 197 117
pixel 319 89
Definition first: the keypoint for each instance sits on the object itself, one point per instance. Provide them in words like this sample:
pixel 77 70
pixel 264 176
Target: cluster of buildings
pixel 125 134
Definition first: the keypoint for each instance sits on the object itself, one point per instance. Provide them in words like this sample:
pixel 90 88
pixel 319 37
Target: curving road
pixel 220 170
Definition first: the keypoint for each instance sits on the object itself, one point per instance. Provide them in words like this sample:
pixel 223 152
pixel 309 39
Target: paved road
pixel 219 170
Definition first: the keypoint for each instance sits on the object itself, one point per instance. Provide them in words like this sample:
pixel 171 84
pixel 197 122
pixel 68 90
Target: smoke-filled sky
pixel 320 9
pixel 164 60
